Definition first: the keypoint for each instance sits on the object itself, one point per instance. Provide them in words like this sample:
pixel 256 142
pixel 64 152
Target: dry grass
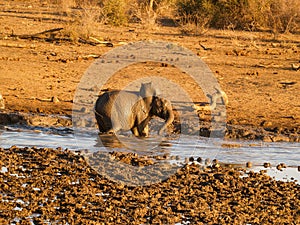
pixel 194 16
pixel 275 15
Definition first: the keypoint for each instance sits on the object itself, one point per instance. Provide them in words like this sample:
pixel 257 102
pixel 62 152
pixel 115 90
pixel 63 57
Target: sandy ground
pixel 253 69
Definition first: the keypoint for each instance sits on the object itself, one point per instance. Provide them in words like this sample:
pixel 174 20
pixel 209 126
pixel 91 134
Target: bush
pixel 231 14
pixel 275 15
pixel 283 15
pixel 115 12
pixel 198 12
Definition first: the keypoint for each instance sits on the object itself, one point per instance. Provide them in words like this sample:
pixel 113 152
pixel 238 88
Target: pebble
pixel 215 161
pixel 267 138
pixel 207 161
pixel 280 138
pixel 249 164
pixel 83 110
pixel 199 160
pixel 266 164
pixel 266 123
pixel 81 192
pixel 281 166
pixel 186 160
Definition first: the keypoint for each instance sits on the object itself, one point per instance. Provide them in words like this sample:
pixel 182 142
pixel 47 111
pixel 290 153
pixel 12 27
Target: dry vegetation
pixel 276 16
pixel 191 16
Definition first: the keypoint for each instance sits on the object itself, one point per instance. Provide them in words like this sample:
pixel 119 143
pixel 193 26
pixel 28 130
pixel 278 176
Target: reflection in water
pixel 154 145
pixel 255 152
pixel 109 141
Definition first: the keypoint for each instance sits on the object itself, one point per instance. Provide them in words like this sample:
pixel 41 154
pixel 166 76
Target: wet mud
pixel 43 185
pixel 233 131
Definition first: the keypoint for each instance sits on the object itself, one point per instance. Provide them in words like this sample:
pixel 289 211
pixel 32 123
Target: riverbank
pixel 233 132
pixel 44 185
pixel 39 75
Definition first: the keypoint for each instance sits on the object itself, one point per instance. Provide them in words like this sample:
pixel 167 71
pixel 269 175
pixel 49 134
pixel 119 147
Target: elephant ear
pixel 159 107
pixel 148 90
pixel 156 106
pixel 163 109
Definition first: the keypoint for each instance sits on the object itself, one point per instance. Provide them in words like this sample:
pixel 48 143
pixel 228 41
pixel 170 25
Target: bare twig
pixel 204 47
pixel 95 43
pixel 36 35
pixel 13 45
pixel 106 43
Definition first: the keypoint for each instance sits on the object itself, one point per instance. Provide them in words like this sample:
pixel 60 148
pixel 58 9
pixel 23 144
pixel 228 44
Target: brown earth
pixel 254 69
pixel 58 186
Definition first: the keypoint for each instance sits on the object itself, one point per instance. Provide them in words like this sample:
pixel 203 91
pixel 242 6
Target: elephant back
pixel 119 109
pixel 104 102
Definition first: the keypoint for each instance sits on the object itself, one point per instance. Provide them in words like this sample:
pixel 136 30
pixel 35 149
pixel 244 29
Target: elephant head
pixel 147 92
pixel 162 108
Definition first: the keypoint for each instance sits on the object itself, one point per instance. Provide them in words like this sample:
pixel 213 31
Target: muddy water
pixel 178 149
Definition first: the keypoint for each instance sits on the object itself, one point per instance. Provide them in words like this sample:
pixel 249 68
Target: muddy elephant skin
pixel 162 108
pixel 124 110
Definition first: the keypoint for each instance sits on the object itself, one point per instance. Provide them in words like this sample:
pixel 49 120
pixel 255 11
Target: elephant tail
pixel 96 113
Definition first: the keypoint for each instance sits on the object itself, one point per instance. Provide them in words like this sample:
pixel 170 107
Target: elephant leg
pixel 144 127
pixel 101 124
pixel 135 131
pixel 140 133
pixel 104 124
pixel 163 109
pixel 145 132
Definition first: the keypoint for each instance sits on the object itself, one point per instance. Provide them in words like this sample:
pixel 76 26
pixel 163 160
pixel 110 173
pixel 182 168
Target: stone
pixel 249 164
pixel 74 189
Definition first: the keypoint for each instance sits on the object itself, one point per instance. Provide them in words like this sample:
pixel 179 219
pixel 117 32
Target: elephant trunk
pixel 169 120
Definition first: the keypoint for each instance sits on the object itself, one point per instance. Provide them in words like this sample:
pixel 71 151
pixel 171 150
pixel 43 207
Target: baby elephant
pixel 125 110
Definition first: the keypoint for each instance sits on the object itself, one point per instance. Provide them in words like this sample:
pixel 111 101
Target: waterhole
pixel 180 152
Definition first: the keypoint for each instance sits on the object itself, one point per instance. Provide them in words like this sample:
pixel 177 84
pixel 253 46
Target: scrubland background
pixel 251 46
pixel 192 15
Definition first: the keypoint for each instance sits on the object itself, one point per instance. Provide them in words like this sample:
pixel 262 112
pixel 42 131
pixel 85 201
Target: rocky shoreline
pixel 233 131
pixel 43 185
